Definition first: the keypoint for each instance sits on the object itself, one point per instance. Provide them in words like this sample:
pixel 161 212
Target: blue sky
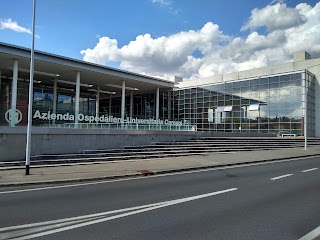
pixel 190 38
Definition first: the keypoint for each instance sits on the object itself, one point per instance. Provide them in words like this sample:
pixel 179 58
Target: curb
pixel 147 173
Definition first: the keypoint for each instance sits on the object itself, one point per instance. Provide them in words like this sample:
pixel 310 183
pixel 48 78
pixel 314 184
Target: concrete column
pixel 14 92
pixel 131 104
pixel 157 103
pixel 55 97
pixel 123 99
pixel 305 127
pixel 0 82
pixel 0 94
pixel 110 105
pixel 97 101
pixel 77 98
pixel 169 105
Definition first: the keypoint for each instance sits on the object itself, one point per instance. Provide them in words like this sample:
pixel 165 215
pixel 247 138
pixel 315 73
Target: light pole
pixel 28 146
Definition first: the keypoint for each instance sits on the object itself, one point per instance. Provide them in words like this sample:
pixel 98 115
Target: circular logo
pixel 15 116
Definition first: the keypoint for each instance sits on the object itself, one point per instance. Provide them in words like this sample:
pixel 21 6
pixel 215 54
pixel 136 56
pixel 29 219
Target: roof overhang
pixel 49 67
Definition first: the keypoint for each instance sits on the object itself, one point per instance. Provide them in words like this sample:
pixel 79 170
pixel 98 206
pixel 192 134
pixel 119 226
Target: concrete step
pixel 188 144
pixel 129 157
pixel 150 149
pixel 193 146
pixel 257 138
pixel 234 142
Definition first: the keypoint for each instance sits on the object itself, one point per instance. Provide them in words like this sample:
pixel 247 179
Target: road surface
pixel 265 201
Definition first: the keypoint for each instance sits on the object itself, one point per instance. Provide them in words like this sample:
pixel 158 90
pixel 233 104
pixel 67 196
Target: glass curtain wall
pixel 43 101
pixel 5 100
pixel 267 105
pixel 144 106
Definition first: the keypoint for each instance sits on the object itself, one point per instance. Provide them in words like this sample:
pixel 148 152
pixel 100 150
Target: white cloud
pixel 275 17
pixel 163 54
pixel 215 51
pixel 167 4
pixel 12 25
pixel 162 3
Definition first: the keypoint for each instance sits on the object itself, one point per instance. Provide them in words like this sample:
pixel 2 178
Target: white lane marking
pixel 309 170
pixel 155 176
pixel 63 220
pixel 311 235
pixel 43 228
pixel 283 176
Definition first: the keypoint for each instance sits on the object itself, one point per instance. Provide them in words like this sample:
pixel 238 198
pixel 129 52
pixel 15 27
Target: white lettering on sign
pixel 102 119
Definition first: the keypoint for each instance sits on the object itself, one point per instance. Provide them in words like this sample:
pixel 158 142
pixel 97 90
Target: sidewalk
pixel 131 168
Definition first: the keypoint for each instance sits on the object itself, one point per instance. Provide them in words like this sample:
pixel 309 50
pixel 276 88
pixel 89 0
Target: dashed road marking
pixel 282 176
pixel 309 170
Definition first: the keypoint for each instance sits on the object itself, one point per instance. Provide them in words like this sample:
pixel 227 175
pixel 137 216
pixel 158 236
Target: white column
pixel 169 105
pixel 76 114
pixel 0 80
pixel 97 101
pixel 14 93
pixel 0 91
pixel 157 103
pixel 54 107
pixel 131 104
pixel 123 99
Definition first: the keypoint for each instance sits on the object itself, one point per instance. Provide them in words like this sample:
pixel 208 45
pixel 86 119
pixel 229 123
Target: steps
pixel 196 146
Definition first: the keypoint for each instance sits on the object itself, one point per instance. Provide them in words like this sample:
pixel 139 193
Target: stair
pixel 197 146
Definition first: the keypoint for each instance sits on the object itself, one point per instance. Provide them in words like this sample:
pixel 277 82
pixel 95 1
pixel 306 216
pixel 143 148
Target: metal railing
pixel 124 126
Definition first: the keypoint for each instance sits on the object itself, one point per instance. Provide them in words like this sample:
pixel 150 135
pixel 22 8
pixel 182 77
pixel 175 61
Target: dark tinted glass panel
pixel 296 76
pixel 264 80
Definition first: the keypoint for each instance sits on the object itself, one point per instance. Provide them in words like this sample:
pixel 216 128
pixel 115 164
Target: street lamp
pixel 28 146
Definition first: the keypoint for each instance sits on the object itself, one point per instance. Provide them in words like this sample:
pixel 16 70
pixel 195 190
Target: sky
pixel 164 38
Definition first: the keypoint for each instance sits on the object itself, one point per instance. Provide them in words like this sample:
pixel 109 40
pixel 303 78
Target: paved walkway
pixel 117 169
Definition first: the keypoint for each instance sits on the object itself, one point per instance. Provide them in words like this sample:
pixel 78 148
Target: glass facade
pixel 43 101
pixel 273 104
pixel 144 105
pixel 270 104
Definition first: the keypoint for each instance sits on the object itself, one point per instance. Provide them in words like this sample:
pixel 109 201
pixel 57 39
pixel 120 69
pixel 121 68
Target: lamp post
pixel 28 146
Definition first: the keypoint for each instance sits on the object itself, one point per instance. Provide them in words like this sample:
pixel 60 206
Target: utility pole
pixel 28 146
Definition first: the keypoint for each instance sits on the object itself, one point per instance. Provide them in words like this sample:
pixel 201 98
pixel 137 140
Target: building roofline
pixel 283 68
pixel 38 55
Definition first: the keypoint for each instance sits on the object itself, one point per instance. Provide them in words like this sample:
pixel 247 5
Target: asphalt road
pixel 269 201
